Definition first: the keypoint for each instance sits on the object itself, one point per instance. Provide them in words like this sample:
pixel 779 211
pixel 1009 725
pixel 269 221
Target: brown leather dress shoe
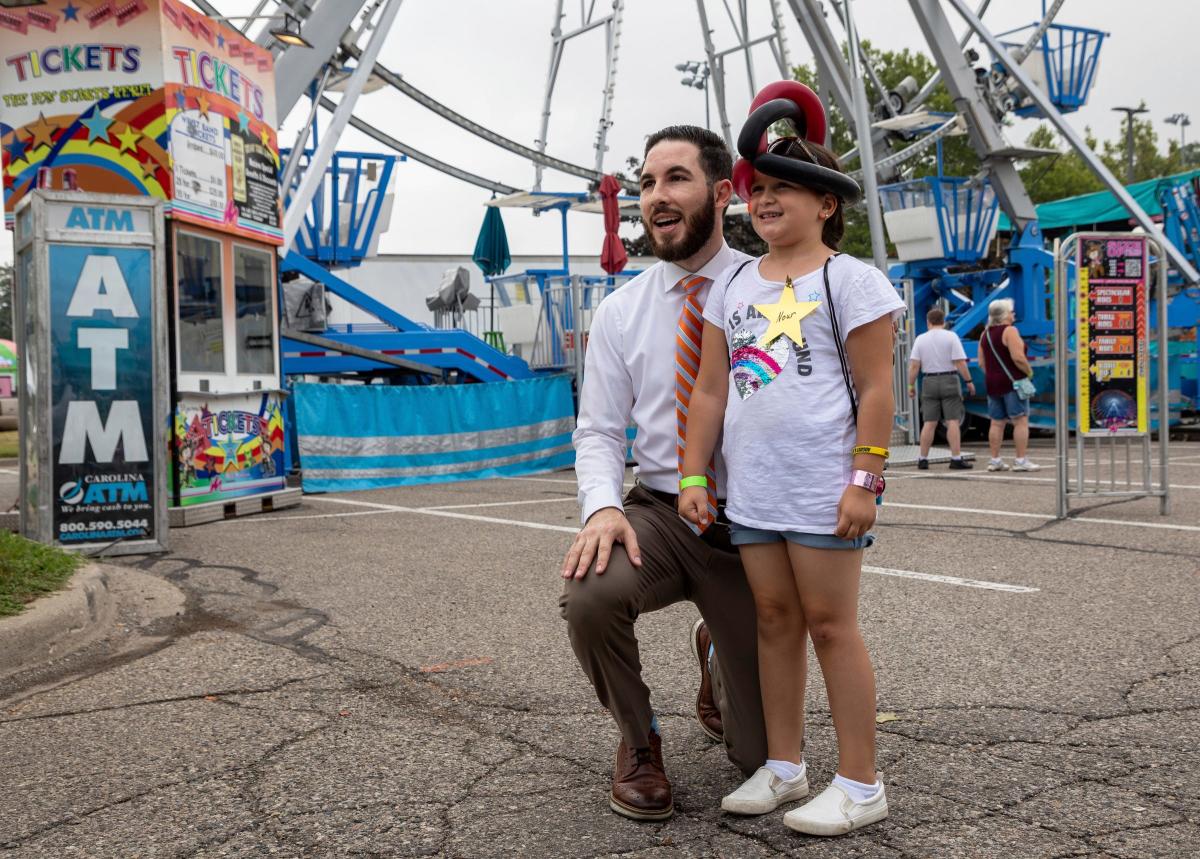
pixel 640 790
pixel 707 713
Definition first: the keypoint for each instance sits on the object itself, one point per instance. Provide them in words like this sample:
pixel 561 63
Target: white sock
pixel 787 770
pixel 1021 460
pixel 996 460
pixel 856 790
pixel 957 458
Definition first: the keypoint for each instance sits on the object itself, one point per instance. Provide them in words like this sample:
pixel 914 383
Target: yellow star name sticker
pixel 784 316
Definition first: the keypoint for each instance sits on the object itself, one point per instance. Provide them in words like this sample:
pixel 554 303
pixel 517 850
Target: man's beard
pixel 697 230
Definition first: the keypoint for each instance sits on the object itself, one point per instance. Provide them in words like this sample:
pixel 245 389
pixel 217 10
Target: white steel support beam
pixel 297 66
pixel 556 52
pixel 781 51
pixel 315 174
pixel 866 152
pixel 986 135
pixel 831 70
pixel 612 46
pixel 716 70
pixel 1051 112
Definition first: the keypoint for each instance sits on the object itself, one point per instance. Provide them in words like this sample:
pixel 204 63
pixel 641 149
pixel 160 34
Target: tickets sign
pixel 1111 334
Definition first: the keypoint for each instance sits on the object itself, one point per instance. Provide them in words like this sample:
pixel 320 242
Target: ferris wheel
pixel 1046 69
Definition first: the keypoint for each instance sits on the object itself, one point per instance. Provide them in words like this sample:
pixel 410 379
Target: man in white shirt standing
pixel 938 355
pixel 634 553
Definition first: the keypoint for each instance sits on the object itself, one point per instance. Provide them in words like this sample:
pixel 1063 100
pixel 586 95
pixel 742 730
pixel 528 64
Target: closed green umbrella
pixel 491 248
pixel 491 251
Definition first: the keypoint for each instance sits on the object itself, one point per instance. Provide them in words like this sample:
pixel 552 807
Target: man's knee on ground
pixel 592 604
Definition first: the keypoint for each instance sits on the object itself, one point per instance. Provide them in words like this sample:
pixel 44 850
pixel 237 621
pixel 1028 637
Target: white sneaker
pixel 1025 465
pixel 833 812
pixel 997 465
pixel 764 792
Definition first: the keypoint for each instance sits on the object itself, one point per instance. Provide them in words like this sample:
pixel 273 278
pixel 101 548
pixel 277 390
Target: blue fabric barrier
pixel 355 437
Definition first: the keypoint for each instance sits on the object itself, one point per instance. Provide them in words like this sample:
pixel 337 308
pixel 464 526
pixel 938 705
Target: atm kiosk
pixel 151 98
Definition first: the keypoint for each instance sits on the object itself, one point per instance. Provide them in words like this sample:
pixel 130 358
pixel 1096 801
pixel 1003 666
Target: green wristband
pixel 695 480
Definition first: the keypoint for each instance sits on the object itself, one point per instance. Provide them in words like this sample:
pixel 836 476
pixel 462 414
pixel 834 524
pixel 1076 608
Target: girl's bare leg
pixel 827 582
pixel 782 648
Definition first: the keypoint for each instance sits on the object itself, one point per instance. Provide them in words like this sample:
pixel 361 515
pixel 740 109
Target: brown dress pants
pixel 676 565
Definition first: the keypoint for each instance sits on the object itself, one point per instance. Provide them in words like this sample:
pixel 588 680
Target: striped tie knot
pixel 687 367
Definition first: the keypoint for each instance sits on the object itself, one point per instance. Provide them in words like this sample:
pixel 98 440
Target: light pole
pixel 1130 112
pixel 697 78
pixel 1183 121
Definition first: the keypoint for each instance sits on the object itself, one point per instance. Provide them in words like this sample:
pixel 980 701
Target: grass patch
pixel 8 444
pixel 28 570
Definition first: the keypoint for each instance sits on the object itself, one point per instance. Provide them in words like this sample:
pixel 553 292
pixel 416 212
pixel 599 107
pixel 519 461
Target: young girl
pixel 797 357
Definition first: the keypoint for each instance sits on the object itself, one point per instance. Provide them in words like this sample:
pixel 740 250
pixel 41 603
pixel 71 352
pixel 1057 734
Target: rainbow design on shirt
pixel 754 368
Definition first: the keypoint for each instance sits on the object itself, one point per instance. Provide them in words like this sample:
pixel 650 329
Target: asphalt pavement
pixel 385 673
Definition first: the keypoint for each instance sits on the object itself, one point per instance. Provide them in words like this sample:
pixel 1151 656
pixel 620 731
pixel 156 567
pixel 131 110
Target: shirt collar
pixel 720 261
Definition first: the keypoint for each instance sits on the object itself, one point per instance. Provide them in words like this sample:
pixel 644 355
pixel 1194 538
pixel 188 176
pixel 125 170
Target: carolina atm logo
pixel 106 489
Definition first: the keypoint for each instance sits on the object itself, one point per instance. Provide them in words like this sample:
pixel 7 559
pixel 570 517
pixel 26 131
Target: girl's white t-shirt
pixel 787 445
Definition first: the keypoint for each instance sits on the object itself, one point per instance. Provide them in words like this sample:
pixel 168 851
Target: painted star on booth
pixel 42 131
pixel 16 149
pixel 129 138
pixel 97 125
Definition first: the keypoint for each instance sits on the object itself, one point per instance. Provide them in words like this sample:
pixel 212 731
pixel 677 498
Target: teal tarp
pixel 355 437
pixel 1102 206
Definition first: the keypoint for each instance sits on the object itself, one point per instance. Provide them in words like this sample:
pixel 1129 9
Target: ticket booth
pixel 152 98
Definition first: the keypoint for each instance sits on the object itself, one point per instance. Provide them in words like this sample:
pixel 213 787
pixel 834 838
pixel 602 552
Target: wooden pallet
pixel 213 511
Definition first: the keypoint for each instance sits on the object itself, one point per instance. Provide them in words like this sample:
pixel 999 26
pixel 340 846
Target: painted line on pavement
pixel 570 498
pixel 427 511
pixel 951 580
pixel 242 520
pixel 946 475
pixel 885 571
pixel 1013 513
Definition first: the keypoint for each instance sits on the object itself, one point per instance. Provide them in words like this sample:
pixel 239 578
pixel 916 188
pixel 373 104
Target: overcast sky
pixel 487 59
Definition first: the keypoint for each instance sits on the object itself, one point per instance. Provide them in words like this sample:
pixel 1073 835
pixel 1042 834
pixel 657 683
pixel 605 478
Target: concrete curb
pixel 60 623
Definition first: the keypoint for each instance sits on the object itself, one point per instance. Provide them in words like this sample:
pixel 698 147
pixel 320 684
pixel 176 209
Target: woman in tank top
pixel 1002 358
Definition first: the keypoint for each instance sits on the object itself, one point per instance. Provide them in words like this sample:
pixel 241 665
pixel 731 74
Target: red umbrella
pixel 612 255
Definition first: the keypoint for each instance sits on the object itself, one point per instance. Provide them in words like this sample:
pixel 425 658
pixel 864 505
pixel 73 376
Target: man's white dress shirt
pixel 629 377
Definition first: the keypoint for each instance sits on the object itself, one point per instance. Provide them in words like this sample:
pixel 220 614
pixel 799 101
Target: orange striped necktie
pixel 687 368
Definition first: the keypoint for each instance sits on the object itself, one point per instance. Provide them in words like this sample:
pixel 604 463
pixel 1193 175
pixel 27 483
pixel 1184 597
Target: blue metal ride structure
pixel 340 230
pixel 1063 60
pixel 958 217
pixel 559 306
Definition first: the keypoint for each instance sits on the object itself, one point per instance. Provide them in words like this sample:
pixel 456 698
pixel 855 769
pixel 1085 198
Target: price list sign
pixel 1111 336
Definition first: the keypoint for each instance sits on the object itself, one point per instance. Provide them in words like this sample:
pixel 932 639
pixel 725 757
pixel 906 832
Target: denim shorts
pixel 740 535
pixel 1007 407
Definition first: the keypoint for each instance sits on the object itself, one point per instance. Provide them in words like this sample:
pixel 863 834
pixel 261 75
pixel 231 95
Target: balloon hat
pixel 787 100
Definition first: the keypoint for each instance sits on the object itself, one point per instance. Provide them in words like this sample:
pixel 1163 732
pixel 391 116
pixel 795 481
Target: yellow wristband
pixel 867 448
pixel 694 480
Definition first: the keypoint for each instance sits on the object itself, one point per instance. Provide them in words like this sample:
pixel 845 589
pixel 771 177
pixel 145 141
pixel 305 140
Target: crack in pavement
pixel 488 715
pixel 199 696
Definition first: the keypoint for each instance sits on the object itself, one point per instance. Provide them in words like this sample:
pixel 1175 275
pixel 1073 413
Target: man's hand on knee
pixel 605 527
